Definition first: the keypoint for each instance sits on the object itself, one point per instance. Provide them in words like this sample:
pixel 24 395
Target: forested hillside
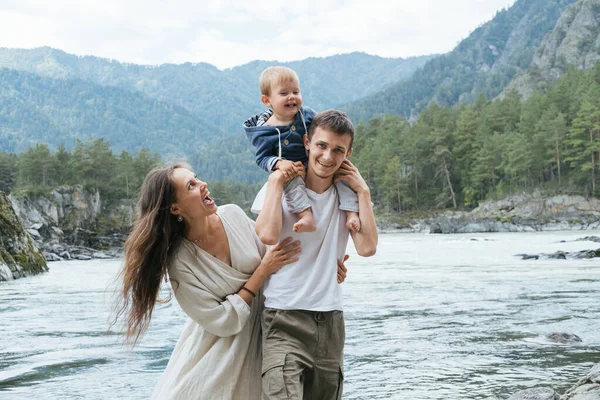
pixel 35 109
pixel 456 157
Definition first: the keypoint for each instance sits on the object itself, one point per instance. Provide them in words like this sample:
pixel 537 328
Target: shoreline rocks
pixel 72 223
pixel 519 213
pixel 586 388
pixel 19 255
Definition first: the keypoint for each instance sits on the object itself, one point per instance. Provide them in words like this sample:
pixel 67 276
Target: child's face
pixel 285 99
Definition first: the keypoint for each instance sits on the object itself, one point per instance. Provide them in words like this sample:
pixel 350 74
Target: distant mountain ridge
pixel 482 64
pixel 221 98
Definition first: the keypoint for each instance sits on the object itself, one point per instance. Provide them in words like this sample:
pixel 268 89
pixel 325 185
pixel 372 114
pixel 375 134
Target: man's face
pixel 326 152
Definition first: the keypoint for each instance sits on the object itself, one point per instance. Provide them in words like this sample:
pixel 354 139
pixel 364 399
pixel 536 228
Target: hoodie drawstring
pixel 279 141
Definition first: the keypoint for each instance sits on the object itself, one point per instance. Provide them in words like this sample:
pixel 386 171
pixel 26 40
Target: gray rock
pixel 535 394
pixel 57 248
pixel 559 255
pixel 587 388
pixel 563 337
pixel 100 255
pixel 19 254
pixel 589 239
pixel 33 233
pixel 82 257
pixel 528 256
pixel 562 255
pixel 586 254
pixel 52 257
pixel 37 226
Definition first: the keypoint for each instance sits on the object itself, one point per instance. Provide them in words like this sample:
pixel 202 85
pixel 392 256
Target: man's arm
pixel 270 219
pixel 366 239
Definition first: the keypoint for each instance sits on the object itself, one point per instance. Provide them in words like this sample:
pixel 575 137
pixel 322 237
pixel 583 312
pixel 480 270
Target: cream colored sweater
pixel 219 354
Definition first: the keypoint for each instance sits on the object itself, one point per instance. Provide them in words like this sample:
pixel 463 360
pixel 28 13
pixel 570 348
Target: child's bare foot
pixel 352 221
pixel 306 223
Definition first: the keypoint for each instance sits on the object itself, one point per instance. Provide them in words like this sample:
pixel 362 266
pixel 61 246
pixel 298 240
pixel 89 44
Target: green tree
pixel 584 142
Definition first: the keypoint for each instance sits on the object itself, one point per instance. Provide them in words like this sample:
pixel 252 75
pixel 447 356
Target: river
pixel 428 317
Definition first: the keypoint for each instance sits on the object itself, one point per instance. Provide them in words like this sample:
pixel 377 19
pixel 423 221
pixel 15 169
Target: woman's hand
pixel 283 253
pixel 342 270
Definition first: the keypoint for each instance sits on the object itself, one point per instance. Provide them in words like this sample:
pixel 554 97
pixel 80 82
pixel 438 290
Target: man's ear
pixel 265 100
pixel 306 142
pixel 348 153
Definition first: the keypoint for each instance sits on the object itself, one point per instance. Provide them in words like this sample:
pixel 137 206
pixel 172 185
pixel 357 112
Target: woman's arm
pixel 285 252
pixel 227 316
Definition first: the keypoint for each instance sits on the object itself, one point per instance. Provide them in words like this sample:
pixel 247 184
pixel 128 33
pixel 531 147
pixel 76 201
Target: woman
pixel 217 266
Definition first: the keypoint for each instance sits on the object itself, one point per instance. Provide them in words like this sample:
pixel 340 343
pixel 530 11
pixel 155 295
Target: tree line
pixel 93 164
pixel 456 157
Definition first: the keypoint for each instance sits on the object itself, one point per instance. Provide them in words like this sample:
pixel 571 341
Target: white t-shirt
pixel 311 282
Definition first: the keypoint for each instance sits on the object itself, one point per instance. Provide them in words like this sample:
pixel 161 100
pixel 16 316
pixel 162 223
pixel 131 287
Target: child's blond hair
pixel 274 75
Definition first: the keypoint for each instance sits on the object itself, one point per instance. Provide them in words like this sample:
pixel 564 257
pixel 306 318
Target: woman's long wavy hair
pixel 155 234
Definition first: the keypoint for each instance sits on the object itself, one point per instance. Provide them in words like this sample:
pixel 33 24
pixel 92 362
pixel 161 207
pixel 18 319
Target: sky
pixel 231 33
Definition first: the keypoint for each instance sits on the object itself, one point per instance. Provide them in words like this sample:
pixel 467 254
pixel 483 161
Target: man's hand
pixel 350 174
pixel 289 169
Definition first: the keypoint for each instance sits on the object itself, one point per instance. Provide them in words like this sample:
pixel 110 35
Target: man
pixel 303 322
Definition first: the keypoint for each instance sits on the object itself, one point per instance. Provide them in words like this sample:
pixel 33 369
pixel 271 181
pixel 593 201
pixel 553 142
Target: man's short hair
pixel 275 75
pixel 334 121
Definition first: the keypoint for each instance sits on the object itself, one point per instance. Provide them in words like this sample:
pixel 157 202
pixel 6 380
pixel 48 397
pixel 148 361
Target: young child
pixel 278 137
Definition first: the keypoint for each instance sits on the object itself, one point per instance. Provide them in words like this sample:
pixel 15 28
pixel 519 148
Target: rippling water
pixel 429 317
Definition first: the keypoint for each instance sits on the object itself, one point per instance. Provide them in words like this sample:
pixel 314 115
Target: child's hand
pixel 287 168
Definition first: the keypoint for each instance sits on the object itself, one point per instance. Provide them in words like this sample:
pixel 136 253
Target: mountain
pixel 221 98
pixel 575 40
pixel 36 109
pixel 483 63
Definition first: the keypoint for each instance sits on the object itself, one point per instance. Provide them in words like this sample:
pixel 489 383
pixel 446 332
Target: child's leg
pixel 349 203
pixel 299 203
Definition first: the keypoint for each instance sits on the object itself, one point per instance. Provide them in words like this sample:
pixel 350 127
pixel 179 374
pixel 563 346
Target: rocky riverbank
pixel 565 255
pixel 71 223
pixel 19 255
pixel 520 213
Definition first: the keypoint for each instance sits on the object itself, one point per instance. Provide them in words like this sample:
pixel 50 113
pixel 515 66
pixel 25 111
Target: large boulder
pixel 587 388
pixel 535 394
pixel 19 255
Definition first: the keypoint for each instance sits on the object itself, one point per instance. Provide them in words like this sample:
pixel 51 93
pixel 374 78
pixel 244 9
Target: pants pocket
pixel 273 385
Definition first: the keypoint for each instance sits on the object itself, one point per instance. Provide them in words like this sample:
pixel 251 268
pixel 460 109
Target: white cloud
pixel 227 33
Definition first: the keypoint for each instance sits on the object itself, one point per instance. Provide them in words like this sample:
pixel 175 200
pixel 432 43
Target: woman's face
pixel 192 195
